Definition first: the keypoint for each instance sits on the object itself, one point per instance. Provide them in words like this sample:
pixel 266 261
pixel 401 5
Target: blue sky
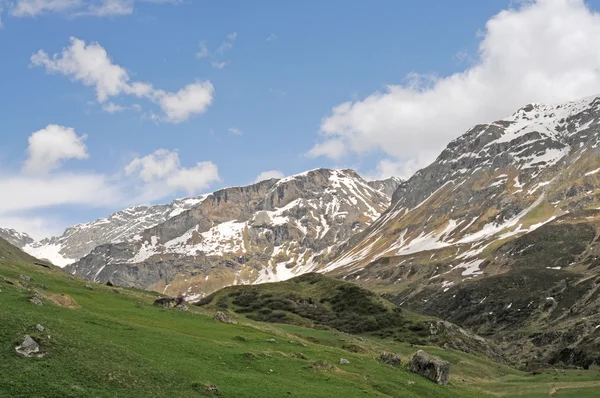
pixel 264 78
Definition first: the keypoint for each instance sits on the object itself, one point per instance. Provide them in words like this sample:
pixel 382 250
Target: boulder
pixel 26 278
pixel 89 287
pixel 220 316
pixel 29 347
pixel 431 367
pixel 344 361
pixel 168 302
pixel 390 359
pixel 40 327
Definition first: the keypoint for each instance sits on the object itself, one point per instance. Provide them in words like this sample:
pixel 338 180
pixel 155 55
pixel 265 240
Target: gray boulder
pixel 40 327
pixel 220 316
pixel 431 367
pixel 344 361
pixel 29 347
pixel 390 359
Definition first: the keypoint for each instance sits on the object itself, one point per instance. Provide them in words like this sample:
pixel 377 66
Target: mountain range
pixel 498 235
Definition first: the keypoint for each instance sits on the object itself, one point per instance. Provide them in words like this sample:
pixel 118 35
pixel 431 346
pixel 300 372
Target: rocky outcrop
pixel 390 359
pixel 430 367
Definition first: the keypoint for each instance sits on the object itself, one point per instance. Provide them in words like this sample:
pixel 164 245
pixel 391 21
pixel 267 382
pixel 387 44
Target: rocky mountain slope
pixel 452 242
pixel 15 238
pixel 79 240
pixel 268 231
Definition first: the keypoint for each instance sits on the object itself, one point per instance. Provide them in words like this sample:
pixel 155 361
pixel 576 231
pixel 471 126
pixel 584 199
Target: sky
pixel 106 104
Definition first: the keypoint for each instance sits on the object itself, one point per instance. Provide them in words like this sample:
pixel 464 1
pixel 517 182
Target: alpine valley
pixel 499 235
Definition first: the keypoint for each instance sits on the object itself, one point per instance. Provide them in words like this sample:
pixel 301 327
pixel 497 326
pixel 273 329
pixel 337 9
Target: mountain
pixel 15 238
pixel 268 231
pixel 498 234
pixel 79 240
pixel 386 186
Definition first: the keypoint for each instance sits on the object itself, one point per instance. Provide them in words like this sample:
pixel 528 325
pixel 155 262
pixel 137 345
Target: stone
pixel 26 278
pixel 344 361
pixel 430 367
pixel 272 341
pixel 168 302
pixel 40 327
pixel 36 301
pixel 220 316
pixel 390 359
pixel 29 347
pixel 89 287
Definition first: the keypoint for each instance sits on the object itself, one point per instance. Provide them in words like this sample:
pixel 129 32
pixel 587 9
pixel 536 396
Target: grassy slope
pixel 116 344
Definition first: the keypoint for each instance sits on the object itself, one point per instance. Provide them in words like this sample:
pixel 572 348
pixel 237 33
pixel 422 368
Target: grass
pixel 115 343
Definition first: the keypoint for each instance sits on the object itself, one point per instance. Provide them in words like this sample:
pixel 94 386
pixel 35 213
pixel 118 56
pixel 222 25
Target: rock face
pixel 79 240
pixel 387 186
pixel 15 238
pixel 431 367
pixel 29 347
pixel 265 232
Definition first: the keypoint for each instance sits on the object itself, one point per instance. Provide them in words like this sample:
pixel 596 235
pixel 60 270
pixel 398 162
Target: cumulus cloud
pixel 161 171
pixel 269 174
pixel 91 65
pixel 50 146
pixel 235 130
pixel 538 51
pixel 42 185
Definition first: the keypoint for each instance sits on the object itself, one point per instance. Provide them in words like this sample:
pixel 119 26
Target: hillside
pixel 106 342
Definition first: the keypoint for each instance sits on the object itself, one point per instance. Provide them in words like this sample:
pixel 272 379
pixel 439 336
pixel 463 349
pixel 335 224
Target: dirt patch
pixel 62 300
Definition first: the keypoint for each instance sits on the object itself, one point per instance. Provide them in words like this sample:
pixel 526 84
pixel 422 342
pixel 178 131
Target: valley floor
pixel 113 342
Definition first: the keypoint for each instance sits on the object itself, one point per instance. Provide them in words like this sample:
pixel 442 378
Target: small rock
pixel 344 361
pixel 36 301
pixel 272 341
pixel 40 327
pixel 390 359
pixel 26 278
pixel 410 383
pixel 431 367
pixel 220 316
pixel 29 347
pixel 211 389
pixel 182 307
pixel 89 287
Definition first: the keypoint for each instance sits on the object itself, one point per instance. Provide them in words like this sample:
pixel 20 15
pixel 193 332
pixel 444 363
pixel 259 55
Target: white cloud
pixel 235 130
pixel 271 37
pixel 113 108
pixel 192 99
pixel 51 145
pixel 145 180
pixel 216 57
pixel 218 65
pixel 97 8
pixel 32 8
pixel 91 65
pixel 162 174
pixel 109 8
pixel 203 52
pixel 544 51
pixel 269 174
